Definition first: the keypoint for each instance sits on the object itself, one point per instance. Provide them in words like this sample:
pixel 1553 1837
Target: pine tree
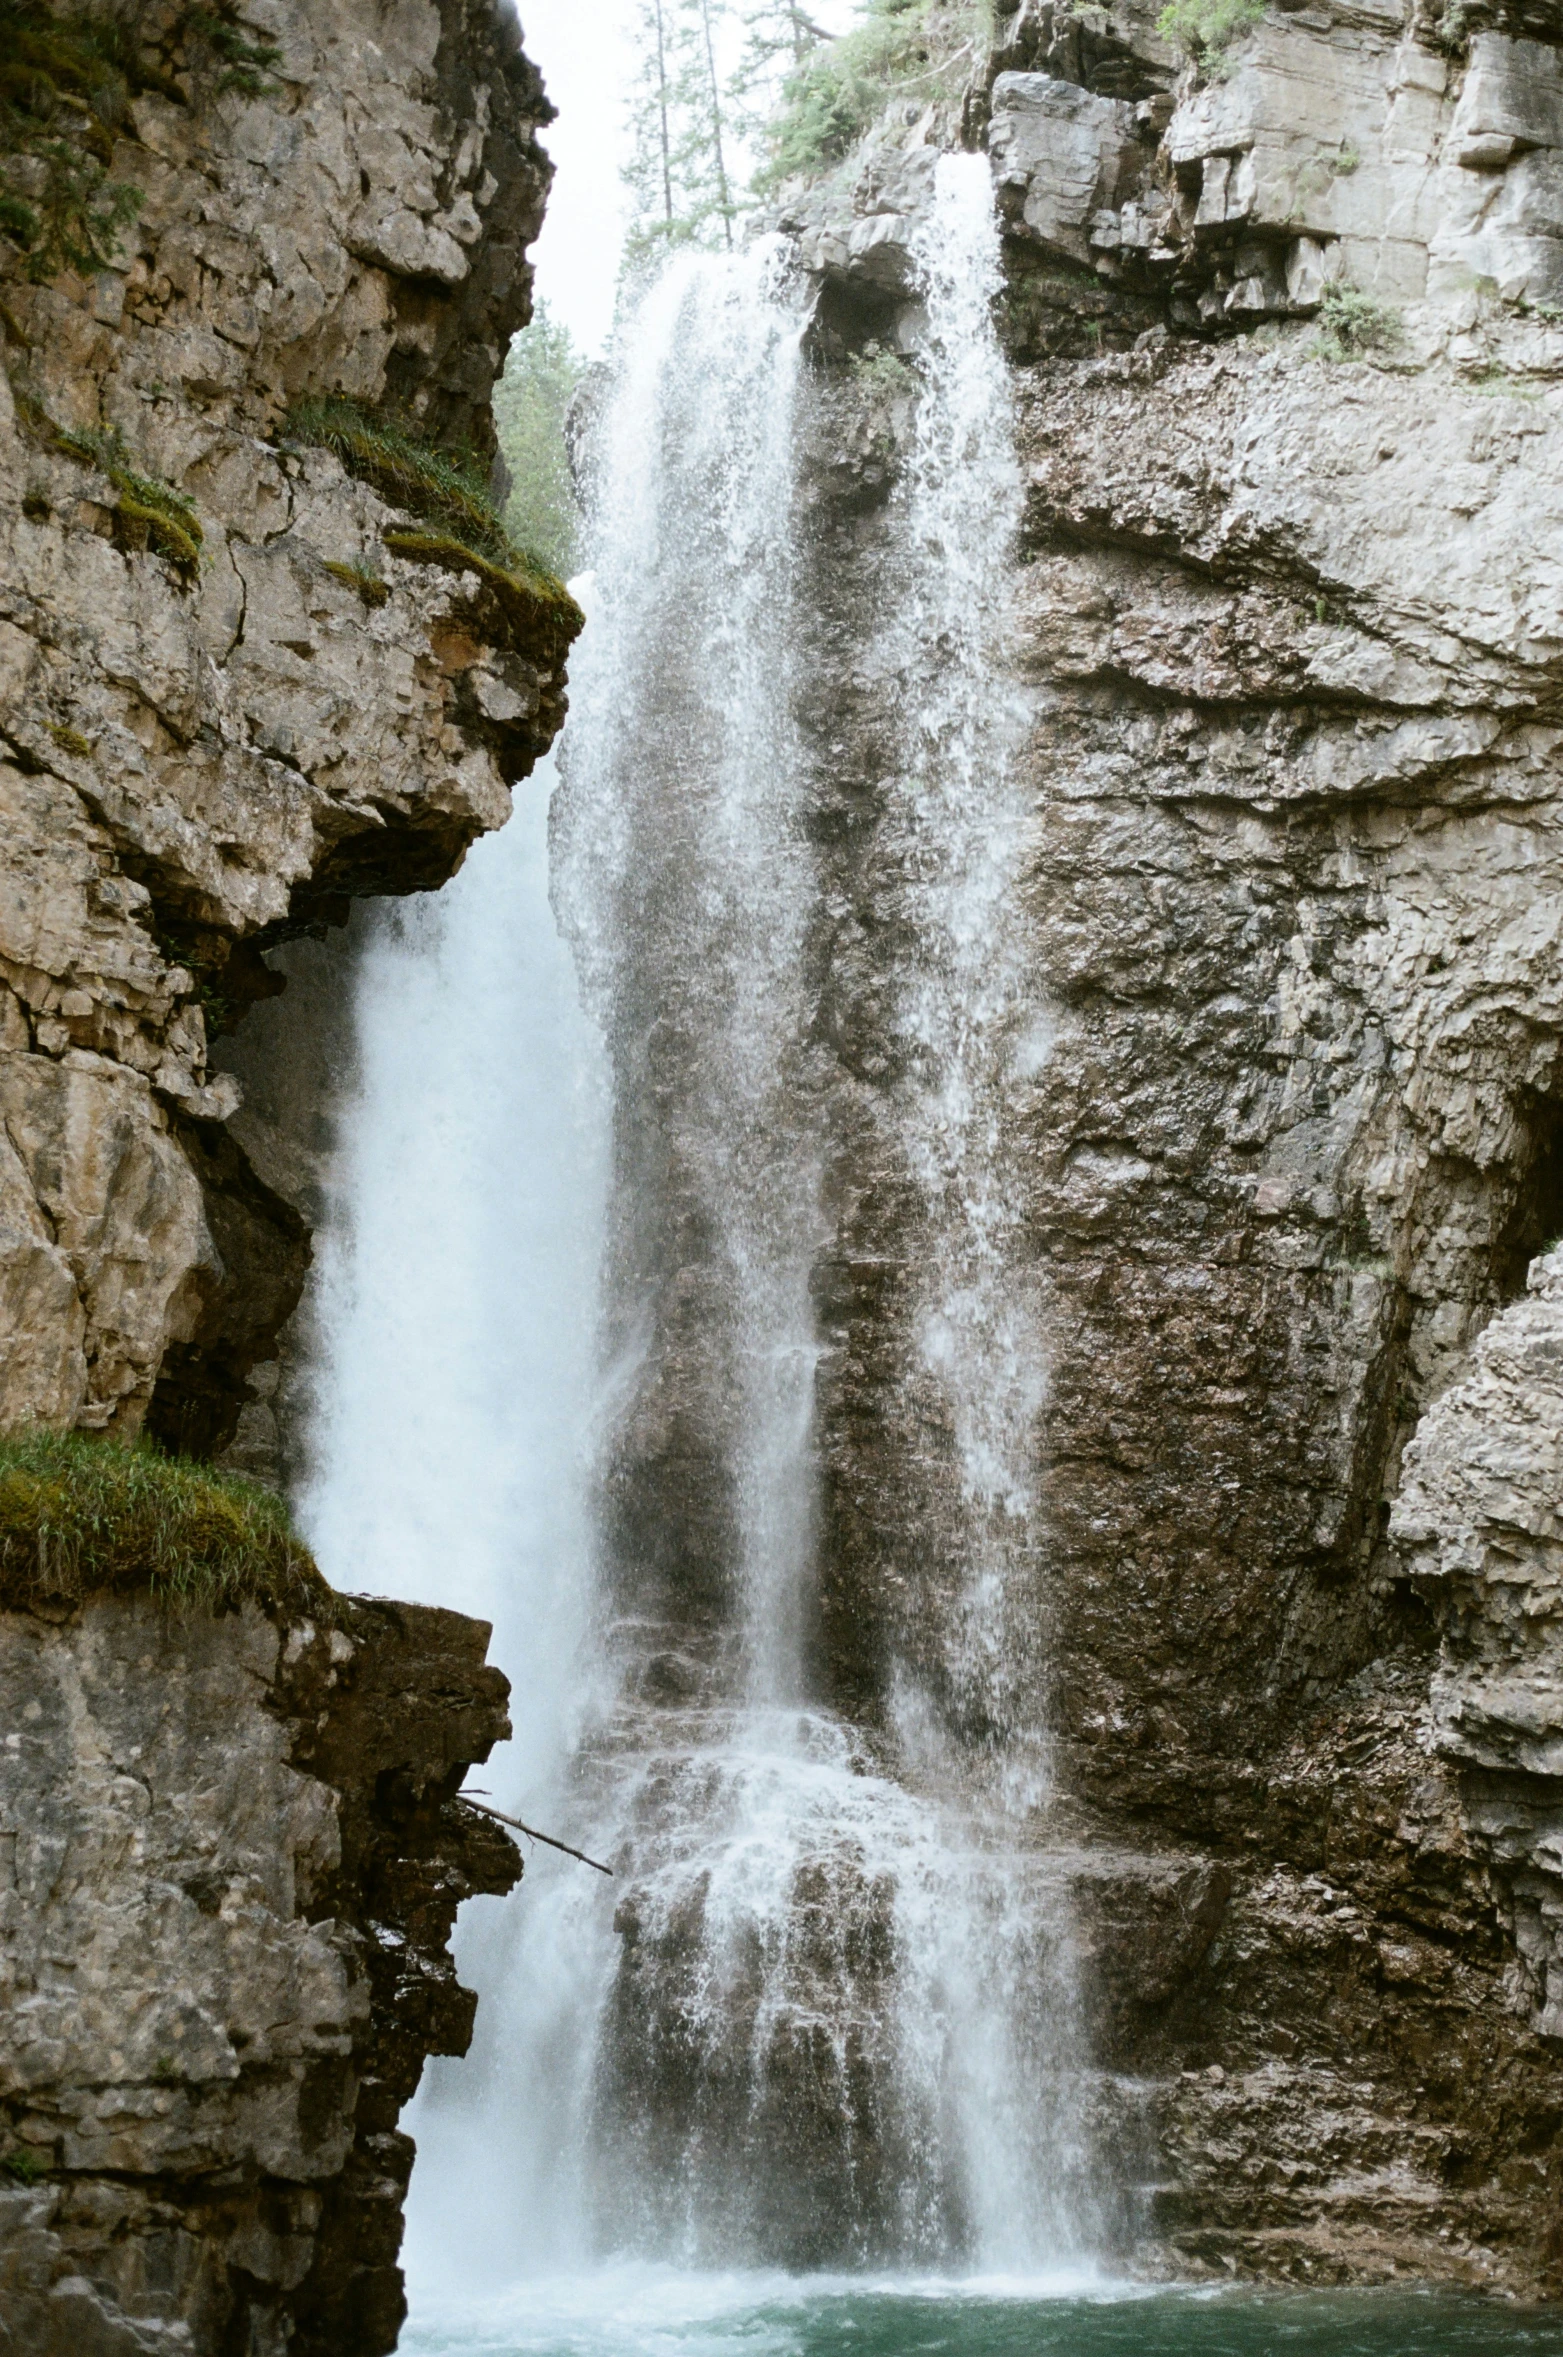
pixel 650 170
pixel 707 132
pixel 531 402
pixel 781 36
pixel 681 173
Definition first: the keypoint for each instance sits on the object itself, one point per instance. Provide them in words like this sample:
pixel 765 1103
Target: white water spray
pixel 959 817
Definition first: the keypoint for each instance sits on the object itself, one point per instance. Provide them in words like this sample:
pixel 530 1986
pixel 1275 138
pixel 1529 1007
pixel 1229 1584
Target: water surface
pixel 657 2313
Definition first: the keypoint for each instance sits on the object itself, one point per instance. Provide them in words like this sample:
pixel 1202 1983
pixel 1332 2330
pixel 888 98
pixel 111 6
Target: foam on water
pixel 658 2312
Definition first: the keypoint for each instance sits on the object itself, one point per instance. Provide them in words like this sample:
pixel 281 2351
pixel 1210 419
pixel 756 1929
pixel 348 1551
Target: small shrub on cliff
pixel 1352 325
pixel 242 64
pixel 1207 29
pixel 65 88
pixel 79 1515
pixel 914 49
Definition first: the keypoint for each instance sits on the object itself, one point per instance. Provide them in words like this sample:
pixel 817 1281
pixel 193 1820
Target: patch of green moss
pixel 539 612
pixel 23 2167
pixel 79 1516
pixel 369 586
pixel 70 740
pixel 148 513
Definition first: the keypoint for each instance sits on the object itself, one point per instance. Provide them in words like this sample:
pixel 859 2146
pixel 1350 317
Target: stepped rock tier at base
pixel 231 1865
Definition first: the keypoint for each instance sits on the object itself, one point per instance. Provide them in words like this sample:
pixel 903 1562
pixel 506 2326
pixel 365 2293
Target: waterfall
pixel 957 820
pixel 825 2015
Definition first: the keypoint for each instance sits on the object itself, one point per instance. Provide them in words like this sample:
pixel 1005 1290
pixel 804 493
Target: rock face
pixel 1288 634
pixel 1288 621
pixel 230 1861
pixel 201 758
pixel 229 1856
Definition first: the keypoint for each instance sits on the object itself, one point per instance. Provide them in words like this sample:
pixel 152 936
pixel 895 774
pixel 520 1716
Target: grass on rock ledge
pixel 80 1516
pixel 448 492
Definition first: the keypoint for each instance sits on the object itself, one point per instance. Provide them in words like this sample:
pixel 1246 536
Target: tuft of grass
pixel 445 487
pixel 79 1516
pixel 71 740
pixel 1352 325
pixel 1206 30
pixel 23 2167
pixel 447 491
pixel 369 586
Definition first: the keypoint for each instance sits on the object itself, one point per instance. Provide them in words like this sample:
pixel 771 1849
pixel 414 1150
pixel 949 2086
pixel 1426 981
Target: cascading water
pixel 958 817
pixel 826 2013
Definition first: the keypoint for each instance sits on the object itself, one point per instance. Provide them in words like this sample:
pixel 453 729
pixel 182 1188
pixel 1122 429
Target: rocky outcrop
pixel 1476 1520
pixel 214 735
pixel 230 1860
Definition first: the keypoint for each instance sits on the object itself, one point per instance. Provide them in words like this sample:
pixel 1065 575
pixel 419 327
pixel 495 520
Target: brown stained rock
pixel 1286 632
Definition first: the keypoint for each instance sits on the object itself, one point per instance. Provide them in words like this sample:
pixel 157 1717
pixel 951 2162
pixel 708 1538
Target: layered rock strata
pixel 1288 636
pixel 1287 643
pixel 230 1860
pixel 204 757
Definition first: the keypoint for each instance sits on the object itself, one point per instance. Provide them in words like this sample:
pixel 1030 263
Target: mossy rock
pixel 529 612
pixel 81 1517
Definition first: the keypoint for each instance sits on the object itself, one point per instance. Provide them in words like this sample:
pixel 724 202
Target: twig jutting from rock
pixel 533 1834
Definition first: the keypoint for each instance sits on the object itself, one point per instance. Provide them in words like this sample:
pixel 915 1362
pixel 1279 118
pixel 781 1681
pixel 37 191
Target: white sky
pixel 583 49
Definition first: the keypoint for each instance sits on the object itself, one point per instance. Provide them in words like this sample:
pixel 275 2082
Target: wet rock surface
pixel 1286 649
pixel 230 1861
pixel 229 1857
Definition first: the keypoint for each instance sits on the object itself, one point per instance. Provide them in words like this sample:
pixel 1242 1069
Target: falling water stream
pixel 825 2016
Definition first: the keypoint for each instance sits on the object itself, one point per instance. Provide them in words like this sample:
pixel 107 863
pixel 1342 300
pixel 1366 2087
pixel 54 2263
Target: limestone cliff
pixel 1286 346
pixel 229 1866
pixel 1284 323
pixel 211 743
pixel 241 682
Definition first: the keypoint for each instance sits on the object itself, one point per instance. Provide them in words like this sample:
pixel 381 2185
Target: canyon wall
pixel 229 1855
pixel 204 758
pixel 1286 350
